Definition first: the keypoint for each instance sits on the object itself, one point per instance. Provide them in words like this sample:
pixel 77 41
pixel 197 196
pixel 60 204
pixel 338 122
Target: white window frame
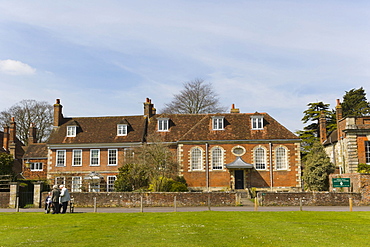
pixel 36 166
pixel 367 152
pixel 121 129
pixel 257 122
pixel 71 131
pixel 57 179
pixel 260 159
pixel 281 159
pixel 94 186
pixel 93 158
pixel 115 158
pixel 196 162
pixel 110 183
pixel 74 157
pixel 76 187
pixel 163 124
pixel 217 158
pixel 218 123
pixel 60 158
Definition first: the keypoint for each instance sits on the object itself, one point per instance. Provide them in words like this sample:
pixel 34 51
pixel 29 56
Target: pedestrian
pixel 64 198
pixel 48 203
pixel 55 194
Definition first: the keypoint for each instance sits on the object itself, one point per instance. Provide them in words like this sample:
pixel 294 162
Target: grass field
pixel 207 228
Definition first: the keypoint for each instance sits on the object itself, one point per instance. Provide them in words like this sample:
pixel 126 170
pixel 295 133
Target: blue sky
pixel 103 58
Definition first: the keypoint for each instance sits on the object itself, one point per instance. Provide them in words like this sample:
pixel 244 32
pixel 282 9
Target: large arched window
pixel 217 158
pixel 196 159
pixel 260 158
pixel 281 158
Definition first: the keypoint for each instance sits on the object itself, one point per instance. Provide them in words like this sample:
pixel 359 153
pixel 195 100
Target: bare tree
pixel 196 97
pixel 27 112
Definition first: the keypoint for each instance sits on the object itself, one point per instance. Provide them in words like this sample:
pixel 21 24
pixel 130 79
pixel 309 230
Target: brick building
pixel 349 144
pixel 225 151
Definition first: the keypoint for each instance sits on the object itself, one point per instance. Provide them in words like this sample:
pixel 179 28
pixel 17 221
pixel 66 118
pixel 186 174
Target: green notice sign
pixel 341 182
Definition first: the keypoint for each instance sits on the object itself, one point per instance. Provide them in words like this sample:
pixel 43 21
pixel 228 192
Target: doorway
pixel 239 179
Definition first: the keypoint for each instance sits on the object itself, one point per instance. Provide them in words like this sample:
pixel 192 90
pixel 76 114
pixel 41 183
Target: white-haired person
pixel 55 194
pixel 64 198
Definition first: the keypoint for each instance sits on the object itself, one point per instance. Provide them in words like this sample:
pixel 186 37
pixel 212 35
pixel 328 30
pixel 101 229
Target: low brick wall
pixel 308 199
pixel 4 199
pixel 152 199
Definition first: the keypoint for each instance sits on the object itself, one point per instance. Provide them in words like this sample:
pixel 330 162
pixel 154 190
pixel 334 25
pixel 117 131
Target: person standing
pixel 55 194
pixel 64 198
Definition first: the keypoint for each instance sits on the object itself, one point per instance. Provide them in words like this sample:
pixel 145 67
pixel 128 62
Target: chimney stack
pixel 149 109
pixel 339 110
pixel 322 122
pixel 233 109
pixel 12 137
pixel 6 138
pixel 32 134
pixel 58 115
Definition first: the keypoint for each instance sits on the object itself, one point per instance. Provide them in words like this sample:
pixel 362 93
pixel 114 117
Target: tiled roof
pixel 99 130
pixel 36 150
pixel 198 127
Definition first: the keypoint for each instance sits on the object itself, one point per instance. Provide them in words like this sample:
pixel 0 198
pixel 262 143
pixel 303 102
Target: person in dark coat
pixel 55 194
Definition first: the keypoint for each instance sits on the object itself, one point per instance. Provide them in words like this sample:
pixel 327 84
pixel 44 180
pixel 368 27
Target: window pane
pixel 61 157
pixel 112 157
pixel 281 161
pixel 77 157
pixel 260 158
pixel 94 156
pixel 110 183
pixel 76 184
pixel 367 152
pixel 196 159
pixel 217 159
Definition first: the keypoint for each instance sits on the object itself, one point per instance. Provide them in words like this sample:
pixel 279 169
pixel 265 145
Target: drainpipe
pixel 271 167
pixel 207 168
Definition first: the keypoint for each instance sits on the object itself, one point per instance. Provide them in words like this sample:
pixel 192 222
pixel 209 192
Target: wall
pixel 152 199
pixel 308 199
pixel 4 199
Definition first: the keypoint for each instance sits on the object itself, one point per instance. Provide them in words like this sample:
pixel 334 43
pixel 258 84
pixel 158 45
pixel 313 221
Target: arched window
pixel 260 158
pixel 281 158
pixel 217 158
pixel 196 159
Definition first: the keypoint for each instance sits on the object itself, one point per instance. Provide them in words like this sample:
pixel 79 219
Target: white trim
pixel 71 131
pixel 121 129
pixel 73 157
pixel 57 156
pixel 257 122
pixel 264 157
pixel 91 153
pixel 38 166
pixel 286 158
pixel 163 124
pixel 116 151
pixel 108 184
pixel 218 123
pixel 200 159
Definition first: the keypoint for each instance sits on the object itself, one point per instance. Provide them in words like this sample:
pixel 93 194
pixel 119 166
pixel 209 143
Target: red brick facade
pixel 207 147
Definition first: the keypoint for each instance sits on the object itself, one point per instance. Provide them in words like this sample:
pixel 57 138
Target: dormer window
pixel 163 124
pixel 257 122
pixel 121 129
pixel 71 131
pixel 218 123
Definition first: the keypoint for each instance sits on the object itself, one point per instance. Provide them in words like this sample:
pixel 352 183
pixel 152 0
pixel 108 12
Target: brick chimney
pixel 58 115
pixel 6 138
pixel 32 134
pixel 233 109
pixel 339 110
pixel 322 122
pixel 12 137
pixel 149 109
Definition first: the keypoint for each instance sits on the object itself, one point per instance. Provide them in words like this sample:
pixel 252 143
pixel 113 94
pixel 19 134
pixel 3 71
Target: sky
pixel 104 58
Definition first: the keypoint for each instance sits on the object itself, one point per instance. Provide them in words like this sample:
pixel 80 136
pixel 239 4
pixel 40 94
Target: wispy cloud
pixel 14 67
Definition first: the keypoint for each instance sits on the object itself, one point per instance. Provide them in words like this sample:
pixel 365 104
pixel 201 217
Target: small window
pixel 71 131
pixel 36 166
pixel 110 183
pixel 367 152
pixel 163 124
pixel 94 157
pixel 238 151
pixel 257 122
pixel 94 187
pixel 218 123
pixel 112 157
pixel 61 158
pixel 77 157
pixel 121 129
pixel 76 184
pixel 60 180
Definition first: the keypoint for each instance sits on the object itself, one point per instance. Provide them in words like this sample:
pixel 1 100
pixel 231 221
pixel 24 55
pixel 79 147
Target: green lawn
pixel 209 228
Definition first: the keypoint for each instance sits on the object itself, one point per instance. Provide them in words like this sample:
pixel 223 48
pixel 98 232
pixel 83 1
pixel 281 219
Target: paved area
pixel 196 209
